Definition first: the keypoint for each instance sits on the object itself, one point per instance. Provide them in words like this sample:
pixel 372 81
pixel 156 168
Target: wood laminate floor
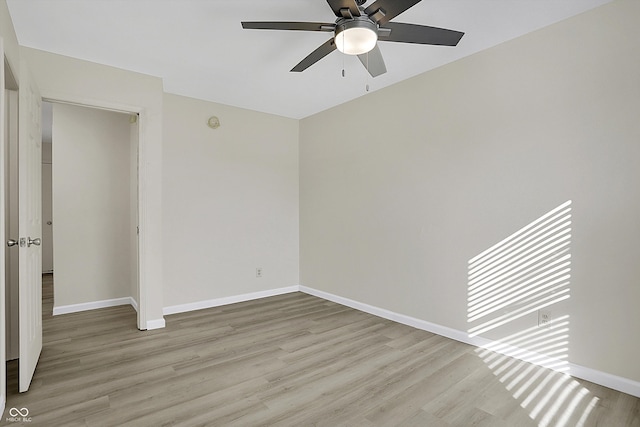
pixel 290 360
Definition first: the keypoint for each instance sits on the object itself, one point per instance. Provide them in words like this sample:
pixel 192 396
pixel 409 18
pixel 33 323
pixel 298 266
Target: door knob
pixel 12 242
pixel 31 241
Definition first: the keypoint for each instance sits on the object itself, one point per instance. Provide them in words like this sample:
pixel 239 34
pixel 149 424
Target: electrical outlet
pixel 544 318
pixel 259 272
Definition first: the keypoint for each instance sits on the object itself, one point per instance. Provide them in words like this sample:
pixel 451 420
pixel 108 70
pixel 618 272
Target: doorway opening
pixel 90 207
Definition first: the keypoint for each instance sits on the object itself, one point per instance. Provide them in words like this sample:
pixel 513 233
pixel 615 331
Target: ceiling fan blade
pixel 315 56
pixel 389 8
pixel 373 62
pixel 421 34
pixel 338 5
pixel 301 26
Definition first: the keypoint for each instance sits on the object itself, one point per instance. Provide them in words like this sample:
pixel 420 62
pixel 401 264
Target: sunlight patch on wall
pixel 522 274
pixel 528 271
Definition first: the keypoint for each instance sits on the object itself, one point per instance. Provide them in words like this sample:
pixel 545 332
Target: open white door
pixel 30 225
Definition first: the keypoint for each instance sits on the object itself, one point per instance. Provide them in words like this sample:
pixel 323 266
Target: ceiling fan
pixel 357 30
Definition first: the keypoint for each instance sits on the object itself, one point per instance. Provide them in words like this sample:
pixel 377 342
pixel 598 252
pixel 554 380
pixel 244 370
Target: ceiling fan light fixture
pixel 356 36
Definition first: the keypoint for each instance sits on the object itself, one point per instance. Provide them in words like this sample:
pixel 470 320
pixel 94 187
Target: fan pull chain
pixel 343 73
pixel 368 73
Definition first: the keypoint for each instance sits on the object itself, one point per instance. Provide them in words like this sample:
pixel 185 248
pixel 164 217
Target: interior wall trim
pixel 155 324
pixel 134 304
pixel 615 382
pixel 216 302
pixel 74 308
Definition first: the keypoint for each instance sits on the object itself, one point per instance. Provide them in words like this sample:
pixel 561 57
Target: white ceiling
pixel 200 50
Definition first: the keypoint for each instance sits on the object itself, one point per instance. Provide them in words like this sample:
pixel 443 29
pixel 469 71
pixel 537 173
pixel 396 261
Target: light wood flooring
pixel 290 360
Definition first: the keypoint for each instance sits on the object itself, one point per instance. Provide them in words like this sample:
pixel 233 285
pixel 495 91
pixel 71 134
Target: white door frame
pixel 141 296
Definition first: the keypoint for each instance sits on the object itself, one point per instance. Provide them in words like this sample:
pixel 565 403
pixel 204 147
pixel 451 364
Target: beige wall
pixel 230 201
pixel 8 34
pixel 447 164
pixel 242 211
pixel 92 205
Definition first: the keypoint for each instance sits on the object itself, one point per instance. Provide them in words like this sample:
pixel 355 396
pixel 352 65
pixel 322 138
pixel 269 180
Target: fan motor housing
pixel 355 36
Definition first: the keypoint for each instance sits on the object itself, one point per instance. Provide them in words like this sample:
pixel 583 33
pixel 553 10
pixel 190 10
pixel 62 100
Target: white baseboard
pixel 615 382
pixel 390 315
pixel 155 324
pixel 74 308
pixel 199 305
pixel 134 304
pixel 624 385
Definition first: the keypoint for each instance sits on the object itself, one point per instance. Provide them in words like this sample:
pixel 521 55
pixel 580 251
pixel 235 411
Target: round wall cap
pixel 213 122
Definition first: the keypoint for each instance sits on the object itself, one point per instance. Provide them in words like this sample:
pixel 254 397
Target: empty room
pixel 320 213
